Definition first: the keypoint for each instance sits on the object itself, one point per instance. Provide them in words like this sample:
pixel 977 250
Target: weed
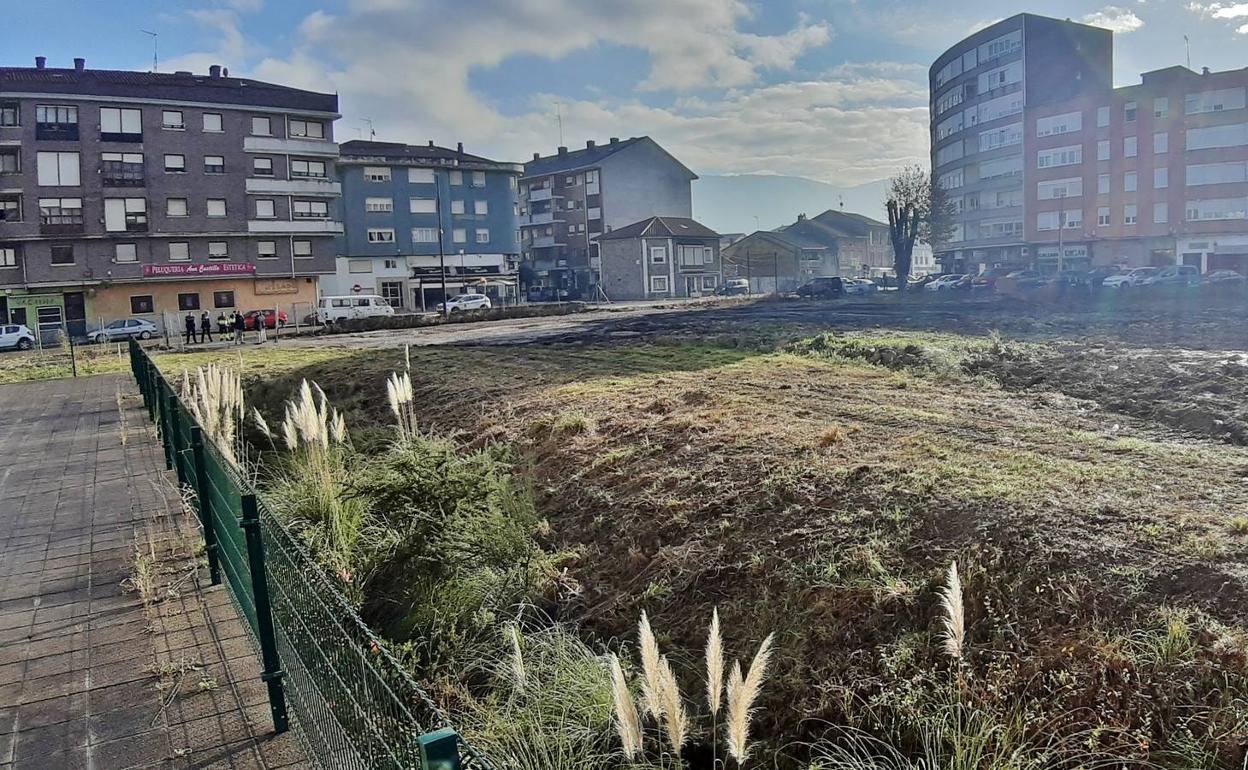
pixel 1239 525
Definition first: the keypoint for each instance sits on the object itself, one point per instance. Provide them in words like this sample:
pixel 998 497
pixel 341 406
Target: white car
pixel 344 308
pixel 947 282
pixel 859 286
pixel 16 336
pixel 467 302
pixel 124 329
pixel 1134 277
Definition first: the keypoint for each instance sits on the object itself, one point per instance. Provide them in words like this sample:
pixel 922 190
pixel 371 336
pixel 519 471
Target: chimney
pixel 225 72
pixel 1204 70
pixel 801 217
pixel 214 71
pixel 589 145
pixel 615 140
pixel 459 147
pixel 563 151
pixel 537 156
pixel 430 142
pixel 41 62
pixel 80 64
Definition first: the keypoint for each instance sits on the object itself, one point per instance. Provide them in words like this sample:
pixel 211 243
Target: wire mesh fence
pixel 351 702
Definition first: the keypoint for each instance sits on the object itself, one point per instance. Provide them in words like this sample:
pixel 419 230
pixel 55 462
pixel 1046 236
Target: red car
pixel 267 315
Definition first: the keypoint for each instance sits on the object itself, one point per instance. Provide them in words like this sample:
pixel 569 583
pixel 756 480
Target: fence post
pixel 272 674
pixel 175 440
pixel 153 387
pixel 204 493
pixel 165 402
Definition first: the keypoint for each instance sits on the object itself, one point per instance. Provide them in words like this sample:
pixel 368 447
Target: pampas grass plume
pixel 742 692
pixel 955 617
pixel 651 683
pixel 626 720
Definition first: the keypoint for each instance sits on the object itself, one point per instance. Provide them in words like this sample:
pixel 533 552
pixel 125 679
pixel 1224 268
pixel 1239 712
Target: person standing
pixel 222 327
pixel 240 326
pixel 190 328
pixel 205 327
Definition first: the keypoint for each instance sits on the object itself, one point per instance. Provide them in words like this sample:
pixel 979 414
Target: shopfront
pixel 490 280
pixel 47 312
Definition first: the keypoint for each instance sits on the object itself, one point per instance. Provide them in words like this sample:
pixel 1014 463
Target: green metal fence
pixel 351 703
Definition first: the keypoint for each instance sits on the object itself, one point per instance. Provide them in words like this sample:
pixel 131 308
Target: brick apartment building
pixel 145 194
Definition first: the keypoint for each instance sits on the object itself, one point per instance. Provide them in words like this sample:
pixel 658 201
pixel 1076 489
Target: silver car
pixel 124 329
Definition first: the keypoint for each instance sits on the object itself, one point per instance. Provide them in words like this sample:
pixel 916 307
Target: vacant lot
pixel 814 476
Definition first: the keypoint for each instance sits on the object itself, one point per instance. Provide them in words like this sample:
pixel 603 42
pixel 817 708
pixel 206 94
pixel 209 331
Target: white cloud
pixel 1115 18
pixel 1220 10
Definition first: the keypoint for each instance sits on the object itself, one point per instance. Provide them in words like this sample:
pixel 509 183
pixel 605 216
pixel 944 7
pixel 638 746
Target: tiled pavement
pixel 89 677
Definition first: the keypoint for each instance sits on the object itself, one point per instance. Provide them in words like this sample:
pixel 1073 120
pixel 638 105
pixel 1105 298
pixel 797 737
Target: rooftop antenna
pixel 371 133
pixel 155 49
pixel 841 199
pixel 559 119
pixel 1188 45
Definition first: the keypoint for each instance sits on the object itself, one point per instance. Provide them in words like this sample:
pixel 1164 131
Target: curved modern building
pixel 981 89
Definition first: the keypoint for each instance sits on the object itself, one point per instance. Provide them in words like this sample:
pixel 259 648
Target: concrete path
pixel 92 675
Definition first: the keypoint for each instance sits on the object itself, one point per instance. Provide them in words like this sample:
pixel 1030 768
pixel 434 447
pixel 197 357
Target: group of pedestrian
pixel 233 327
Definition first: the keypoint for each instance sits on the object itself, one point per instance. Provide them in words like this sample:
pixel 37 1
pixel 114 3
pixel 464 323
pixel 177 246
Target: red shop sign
pixel 209 269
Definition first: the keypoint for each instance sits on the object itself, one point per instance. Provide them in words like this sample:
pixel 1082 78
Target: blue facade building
pixel 417 215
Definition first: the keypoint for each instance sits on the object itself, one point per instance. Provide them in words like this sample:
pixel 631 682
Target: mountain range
pixel 729 204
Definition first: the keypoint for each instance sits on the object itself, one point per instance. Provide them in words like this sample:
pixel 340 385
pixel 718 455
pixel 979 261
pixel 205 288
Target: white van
pixel 333 309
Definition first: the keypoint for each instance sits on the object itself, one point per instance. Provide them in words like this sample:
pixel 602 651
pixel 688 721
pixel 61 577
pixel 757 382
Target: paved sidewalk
pixel 90 676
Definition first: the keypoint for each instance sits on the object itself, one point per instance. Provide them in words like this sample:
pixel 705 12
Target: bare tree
pixel 919 209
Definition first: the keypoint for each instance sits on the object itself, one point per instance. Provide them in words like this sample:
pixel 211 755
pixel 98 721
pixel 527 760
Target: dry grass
pixel 954 614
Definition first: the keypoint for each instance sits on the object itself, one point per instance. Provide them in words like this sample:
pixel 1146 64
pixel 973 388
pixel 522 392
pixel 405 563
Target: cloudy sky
pixel 834 90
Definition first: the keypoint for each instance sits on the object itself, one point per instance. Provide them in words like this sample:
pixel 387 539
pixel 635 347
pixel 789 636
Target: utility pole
pixel 437 208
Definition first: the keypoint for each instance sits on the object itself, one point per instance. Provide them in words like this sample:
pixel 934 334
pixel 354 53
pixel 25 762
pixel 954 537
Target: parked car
pixel 462 302
pixel 950 282
pixel 1132 277
pixel 346 307
pixel 1097 275
pixel 860 286
pixel 1225 278
pixel 16 336
pixel 734 287
pixel 124 329
pixel 919 283
pixel 988 278
pixel 829 287
pixel 1174 275
pixel 252 319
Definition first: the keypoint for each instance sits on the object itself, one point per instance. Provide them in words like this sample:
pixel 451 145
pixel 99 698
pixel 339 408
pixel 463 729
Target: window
pixel 125 214
pixel 121 169
pixel 459 235
pixel 952 180
pixel 216 207
pixel 188 301
pixel 218 250
pixel 10 208
pixel 175 207
pixel 1217 208
pixel 658 255
pixel 1001 137
pixel 420 176
pixel 658 283
pixel 1161 143
pixel 262 166
pixel 1102 216
pixel 1128 111
pixel 379 205
pixel 1059 124
pixel 62 254
pixel 391 264
pixel 1102 184
pixel 483 235
pixel 1232 135
pixel 265 209
pixel 478 179
pixel 1129 146
pixel 380 235
pixel 302 248
pixel 424 235
pixel 222 299
pixel 121 125
pixel 480 208
pixel 1161 178
pixel 54 121
pixel 1047 220
pixel 1073 219
pixel 10 114
pixel 261 126
pixel 266 249
pixel 1060 188
pixel 175 164
pixel 212 123
pixel 214 164
pixel 60 211
pixel 374 173
pixel 1217 173
pixel 1102 117
pixel 1161 107
pixel 1060 156
pixel 1129 181
pixel 179 251
pixel 422 205
pixel 1102 150
pixel 316 169
pixel 359 265
pixel 708 282
pixel 310 209
pixel 8 256
pixel 1129 216
pixel 310 129
pixel 58 169
pixel 125 252
pixel 10 160
pixel 1161 213
pixel 172 119
pixel 1214 101
pixel 946 154
pixel 141 304
pixel 457 177
pixel 457 207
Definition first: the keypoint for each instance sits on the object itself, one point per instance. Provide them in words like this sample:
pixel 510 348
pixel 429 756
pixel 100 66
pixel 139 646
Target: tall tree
pixel 919 209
